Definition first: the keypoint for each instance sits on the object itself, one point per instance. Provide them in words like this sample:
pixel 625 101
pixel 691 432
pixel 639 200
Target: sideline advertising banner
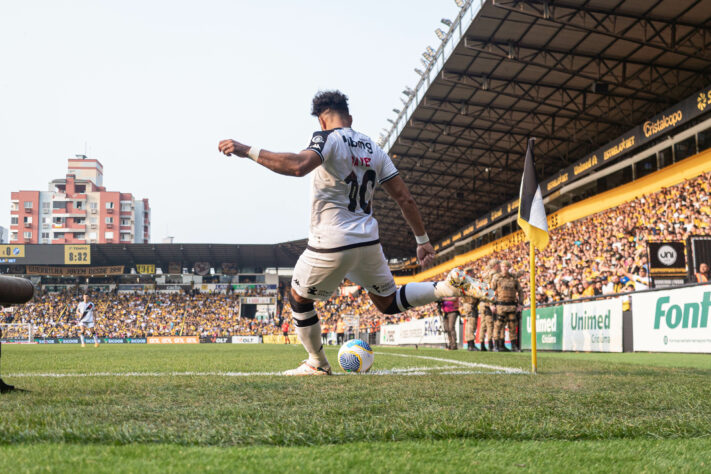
pixel 215 340
pixel 672 320
pixel 418 331
pixel 549 328
pixel 174 340
pixel 593 326
pixel 590 326
pixel 245 340
pixel 279 339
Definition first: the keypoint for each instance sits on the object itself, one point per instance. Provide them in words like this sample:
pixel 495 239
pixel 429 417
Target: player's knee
pixel 299 307
pixel 391 308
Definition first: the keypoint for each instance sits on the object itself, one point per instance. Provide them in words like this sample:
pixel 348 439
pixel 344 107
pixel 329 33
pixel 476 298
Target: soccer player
pixel 85 320
pixel 343 236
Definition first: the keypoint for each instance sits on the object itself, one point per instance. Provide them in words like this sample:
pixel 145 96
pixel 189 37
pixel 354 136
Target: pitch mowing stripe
pixel 499 368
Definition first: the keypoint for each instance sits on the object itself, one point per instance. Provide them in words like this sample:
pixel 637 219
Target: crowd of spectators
pixel 606 252
pixel 52 315
pixel 601 254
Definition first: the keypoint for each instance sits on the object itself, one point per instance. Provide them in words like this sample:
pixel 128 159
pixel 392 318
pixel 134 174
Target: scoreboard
pixel 35 254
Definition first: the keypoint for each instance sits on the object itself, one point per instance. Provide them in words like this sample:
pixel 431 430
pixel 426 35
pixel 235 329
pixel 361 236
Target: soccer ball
pixel 355 356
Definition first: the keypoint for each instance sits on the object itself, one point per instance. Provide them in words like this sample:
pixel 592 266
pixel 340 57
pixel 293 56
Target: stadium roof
pixel 283 255
pixel 574 74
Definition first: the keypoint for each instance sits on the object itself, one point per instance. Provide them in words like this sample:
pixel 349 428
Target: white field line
pixel 444 370
pixel 461 363
pixel 404 370
pixel 448 369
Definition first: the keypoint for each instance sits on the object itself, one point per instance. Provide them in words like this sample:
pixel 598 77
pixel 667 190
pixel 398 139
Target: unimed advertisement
pixel 549 328
pixel 672 320
pixel 593 326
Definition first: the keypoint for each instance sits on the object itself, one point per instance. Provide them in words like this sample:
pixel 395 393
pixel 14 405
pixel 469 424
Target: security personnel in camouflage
pixel 485 305
pixel 468 309
pixel 508 300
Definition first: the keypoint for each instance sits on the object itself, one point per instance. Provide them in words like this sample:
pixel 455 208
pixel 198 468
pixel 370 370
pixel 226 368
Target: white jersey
pixel 343 188
pixel 86 312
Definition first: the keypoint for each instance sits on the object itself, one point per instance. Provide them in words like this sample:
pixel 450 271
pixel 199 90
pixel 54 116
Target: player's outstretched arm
pixel 397 189
pixel 289 164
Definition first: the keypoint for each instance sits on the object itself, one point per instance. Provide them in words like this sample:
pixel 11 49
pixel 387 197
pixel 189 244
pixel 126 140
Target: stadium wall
pixel 669 176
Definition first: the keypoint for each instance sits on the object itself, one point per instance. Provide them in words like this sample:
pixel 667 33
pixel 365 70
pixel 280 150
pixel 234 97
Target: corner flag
pixel 531 213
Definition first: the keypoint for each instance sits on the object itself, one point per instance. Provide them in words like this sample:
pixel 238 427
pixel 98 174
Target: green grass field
pixel 221 408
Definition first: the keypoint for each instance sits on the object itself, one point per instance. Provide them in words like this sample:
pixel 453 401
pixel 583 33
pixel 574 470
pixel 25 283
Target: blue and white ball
pixel 355 356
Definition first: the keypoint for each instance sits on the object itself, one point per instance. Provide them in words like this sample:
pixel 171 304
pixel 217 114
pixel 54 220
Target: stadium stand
pixel 619 101
pixel 602 253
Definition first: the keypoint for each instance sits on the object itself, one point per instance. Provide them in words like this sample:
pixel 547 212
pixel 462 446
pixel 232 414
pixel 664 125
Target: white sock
pixel 96 341
pixel 419 294
pixel 310 337
pixel 81 338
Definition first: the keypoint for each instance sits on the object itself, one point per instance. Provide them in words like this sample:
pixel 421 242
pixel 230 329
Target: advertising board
pixel 245 340
pixel 419 331
pixel 593 326
pixel 174 340
pixel 590 326
pixel 672 320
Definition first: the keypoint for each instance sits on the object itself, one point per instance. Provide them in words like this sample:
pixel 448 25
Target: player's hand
pixel 233 147
pixel 425 254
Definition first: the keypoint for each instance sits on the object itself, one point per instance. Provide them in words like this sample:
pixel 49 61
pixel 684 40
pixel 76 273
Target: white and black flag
pixel 531 212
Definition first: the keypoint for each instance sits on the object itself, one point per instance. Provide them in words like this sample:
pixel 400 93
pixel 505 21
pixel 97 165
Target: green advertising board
pixel 549 328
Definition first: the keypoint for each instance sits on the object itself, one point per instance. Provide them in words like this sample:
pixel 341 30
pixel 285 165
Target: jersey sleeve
pixel 387 170
pixel 321 144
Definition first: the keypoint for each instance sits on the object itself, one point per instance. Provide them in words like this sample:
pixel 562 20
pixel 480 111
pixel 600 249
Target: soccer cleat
pixel 83 345
pixel 96 344
pixel 4 388
pixel 455 284
pixel 306 369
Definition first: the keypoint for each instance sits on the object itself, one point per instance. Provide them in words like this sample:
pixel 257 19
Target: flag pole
pixel 532 264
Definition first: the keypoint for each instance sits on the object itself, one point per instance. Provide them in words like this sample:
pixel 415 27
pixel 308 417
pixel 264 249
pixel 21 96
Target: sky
pixel 149 88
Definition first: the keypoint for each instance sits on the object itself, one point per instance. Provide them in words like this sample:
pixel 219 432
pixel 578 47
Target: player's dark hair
pixel 330 100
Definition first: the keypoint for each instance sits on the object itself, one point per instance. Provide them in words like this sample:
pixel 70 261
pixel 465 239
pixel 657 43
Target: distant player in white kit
pixel 85 320
pixel 343 237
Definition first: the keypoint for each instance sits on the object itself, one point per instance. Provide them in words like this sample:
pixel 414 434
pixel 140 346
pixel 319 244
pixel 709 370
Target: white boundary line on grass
pixel 396 371
pixel 443 370
pixel 498 368
pixel 446 370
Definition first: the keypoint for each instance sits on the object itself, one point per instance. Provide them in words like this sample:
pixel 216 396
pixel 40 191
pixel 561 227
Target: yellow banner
pixel 12 251
pixel 279 339
pixel 77 255
pixel 75 271
pixel 173 340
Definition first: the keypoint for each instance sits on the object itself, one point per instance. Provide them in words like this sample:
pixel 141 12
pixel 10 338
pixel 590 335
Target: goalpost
pixel 16 332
